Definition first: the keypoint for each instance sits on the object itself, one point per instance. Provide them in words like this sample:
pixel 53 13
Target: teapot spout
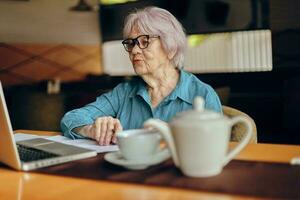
pixel 164 129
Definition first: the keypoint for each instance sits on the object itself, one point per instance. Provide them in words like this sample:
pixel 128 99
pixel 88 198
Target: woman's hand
pixel 103 130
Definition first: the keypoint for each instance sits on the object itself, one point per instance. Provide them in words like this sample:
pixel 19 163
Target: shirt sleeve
pixel 105 105
pixel 212 101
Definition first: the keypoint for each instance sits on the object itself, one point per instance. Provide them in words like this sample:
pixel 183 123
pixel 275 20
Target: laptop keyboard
pixel 29 154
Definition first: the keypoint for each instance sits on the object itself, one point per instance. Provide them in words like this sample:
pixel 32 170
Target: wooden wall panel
pixel 30 63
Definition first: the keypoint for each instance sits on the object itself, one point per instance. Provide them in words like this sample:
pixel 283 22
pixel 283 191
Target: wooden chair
pixel 239 129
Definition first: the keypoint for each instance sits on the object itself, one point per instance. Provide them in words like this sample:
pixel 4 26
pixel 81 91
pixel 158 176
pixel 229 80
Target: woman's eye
pixel 144 42
pixel 129 44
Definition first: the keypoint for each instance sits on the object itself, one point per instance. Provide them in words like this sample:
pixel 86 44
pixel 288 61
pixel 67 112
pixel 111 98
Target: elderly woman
pixel 155 42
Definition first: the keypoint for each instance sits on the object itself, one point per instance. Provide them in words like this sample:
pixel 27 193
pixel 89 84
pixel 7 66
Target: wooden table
pixel 25 185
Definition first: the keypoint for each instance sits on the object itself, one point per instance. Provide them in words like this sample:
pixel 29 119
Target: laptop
pixel 34 153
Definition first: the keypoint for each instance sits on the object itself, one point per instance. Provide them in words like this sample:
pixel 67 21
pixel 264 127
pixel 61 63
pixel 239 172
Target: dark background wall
pixel 196 16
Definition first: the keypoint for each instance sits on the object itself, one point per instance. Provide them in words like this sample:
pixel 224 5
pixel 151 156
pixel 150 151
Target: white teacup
pixel 139 144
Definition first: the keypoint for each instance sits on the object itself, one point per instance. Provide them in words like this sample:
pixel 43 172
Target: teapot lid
pixel 198 113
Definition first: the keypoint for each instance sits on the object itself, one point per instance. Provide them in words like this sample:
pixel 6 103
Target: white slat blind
pixel 245 51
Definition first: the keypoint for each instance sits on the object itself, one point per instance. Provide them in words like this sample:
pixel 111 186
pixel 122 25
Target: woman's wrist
pixel 83 130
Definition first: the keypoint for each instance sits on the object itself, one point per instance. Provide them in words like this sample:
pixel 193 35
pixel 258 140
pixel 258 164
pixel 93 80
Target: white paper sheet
pixel 85 143
pixel 24 136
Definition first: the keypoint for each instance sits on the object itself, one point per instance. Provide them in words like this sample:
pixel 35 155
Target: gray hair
pixel 158 21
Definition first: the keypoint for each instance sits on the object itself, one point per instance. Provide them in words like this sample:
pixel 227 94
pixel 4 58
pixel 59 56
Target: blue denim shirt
pixel 130 103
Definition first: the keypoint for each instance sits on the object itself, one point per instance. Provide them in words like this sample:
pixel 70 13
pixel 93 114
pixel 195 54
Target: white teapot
pixel 198 139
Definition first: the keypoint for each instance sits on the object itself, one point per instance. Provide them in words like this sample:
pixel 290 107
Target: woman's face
pixel 149 60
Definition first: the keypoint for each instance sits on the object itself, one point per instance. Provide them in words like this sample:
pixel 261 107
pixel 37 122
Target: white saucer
pixel 117 159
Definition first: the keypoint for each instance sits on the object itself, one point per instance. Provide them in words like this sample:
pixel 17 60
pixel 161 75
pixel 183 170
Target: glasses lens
pixel 128 44
pixel 143 41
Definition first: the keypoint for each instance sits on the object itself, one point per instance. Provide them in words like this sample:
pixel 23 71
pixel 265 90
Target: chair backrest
pixel 239 129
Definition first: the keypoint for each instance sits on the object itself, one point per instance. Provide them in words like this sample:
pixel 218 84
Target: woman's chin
pixel 139 73
pixel 139 70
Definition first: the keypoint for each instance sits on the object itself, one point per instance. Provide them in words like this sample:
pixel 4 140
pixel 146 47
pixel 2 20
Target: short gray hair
pixel 158 21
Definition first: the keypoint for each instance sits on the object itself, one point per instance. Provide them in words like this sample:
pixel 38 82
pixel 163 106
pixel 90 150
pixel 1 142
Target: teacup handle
pixel 164 130
pixel 243 142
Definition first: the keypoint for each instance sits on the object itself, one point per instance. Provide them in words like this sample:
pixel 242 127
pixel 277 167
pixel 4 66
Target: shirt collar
pixel 140 90
pixel 181 90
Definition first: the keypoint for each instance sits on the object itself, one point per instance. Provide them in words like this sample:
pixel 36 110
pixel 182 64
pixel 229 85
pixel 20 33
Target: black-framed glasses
pixel 142 41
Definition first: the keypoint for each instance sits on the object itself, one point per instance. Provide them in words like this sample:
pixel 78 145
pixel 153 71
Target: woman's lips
pixel 136 61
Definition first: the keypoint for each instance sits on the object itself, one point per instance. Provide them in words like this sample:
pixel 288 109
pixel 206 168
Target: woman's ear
pixel 171 54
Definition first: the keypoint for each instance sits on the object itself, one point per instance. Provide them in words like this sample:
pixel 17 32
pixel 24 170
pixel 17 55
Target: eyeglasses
pixel 142 41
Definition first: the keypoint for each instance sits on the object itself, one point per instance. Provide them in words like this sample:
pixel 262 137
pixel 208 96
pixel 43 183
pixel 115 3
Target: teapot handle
pixel 164 130
pixel 243 142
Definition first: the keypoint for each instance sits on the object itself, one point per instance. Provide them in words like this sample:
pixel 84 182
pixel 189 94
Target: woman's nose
pixel 136 49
